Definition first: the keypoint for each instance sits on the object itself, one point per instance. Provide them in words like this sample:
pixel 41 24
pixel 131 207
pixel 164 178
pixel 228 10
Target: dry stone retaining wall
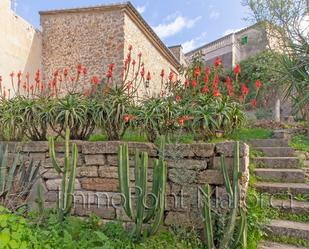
pixel 189 167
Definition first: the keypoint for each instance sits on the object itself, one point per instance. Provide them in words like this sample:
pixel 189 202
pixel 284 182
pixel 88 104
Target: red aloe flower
pixel 12 75
pixel 216 92
pixel 237 69
pixel 253 102
pixel 186 83
pixel 65 72
pixel 130 48
pixel 218 62
pixel 111 66
pixel 162 73
pixel 109 74
pixel 205 89
pixel 258 84
pixel 197 71
pixel 148 78
pixel 178 98
pixel 133 63
pixel 193 83
pixel 72 80
pixel 142 72
pixel 171 76
pixel 206 79
pixel 207 70
pixel 244 90
pixel 79 69
pixel 85 71
pixel 95 80
pixel 127 118
pixel 139 55
pixel 215 82
pixel 181 121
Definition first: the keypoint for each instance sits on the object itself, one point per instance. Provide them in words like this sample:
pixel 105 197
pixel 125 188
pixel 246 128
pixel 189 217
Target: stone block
pixel 95 160
pixel 182 176
pixel 35 146
pixel 103 212
pixel 203 150
pixel 99 184
pixel 187 164
pixel 55 184
pixel 227 149
pixel 210 176
pixel 87 171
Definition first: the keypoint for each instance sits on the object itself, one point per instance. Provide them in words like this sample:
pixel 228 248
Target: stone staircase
pixel 278 172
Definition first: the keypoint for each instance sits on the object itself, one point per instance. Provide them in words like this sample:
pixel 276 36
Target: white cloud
pixel 230 31
pixel 175 26
pixel 194 43
pixel 141 9
pixel 214 14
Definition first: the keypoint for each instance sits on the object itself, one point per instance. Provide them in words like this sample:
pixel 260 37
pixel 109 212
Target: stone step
pixel 274 245
pixel 289 228
pixel 276 151
pixel 291 206
pixel 271 142
pixel 278 187
pixel 281 175
pixel 276 162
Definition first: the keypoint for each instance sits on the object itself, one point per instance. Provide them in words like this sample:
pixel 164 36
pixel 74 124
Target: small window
pixel 244 40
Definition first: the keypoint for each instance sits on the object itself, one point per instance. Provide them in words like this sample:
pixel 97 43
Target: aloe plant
pixel 68 172
pixel 235 217
pixel 143 215
pixel 16 180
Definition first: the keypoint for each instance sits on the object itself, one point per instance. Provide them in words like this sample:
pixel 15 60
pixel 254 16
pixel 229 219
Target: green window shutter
pixel 244 40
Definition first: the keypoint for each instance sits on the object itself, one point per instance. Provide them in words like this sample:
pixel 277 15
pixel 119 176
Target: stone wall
pixel 93 38
pixel 20 45
pixel 189 167
pixel 154 61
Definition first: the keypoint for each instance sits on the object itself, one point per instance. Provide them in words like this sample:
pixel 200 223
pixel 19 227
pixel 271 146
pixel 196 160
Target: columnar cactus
pixel 143 214
pixel 236 216
pixel 68 172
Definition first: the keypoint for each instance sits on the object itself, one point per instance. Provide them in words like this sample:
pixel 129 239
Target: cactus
pixel 236 216
pixel 143 215
pixel 68 172
pixel 16 180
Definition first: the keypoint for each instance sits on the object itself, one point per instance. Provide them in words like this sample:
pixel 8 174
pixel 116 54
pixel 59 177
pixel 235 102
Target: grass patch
pixel 288 240
pixel 251 133
pixel 300 142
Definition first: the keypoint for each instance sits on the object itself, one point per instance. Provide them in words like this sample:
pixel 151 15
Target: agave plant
pixel 16 181
pixel 235 220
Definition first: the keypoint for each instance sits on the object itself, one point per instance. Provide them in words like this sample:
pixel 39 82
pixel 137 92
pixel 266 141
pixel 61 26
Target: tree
pixel 287 25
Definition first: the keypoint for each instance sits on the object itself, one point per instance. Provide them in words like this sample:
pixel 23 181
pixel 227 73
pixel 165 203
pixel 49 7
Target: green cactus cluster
pixel 235 230
pixel 68 172
pixel 151 211
pixel 16 180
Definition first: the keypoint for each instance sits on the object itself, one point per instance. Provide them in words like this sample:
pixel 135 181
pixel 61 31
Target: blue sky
pixel 191 23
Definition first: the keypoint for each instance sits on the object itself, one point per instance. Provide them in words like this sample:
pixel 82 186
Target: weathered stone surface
pixel 55 184
pixel 50 173
pixel 182 176
pixel 187 219
pixel 111 147
pixel 244 163
pixel 95 160
pixel 121 215
pixel 189 150
pixel 108 172
pixel 103 212
pixel 210 176
pixel 51 196
pixel 187 164
pixel 35 146
pixel 99 184
pixel 227 149
pixel 87 171
pixel 104 199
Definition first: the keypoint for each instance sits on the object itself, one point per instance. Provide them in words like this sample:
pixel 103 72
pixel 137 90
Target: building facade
pixel 234 47
pixel 20 45
pixel 98 36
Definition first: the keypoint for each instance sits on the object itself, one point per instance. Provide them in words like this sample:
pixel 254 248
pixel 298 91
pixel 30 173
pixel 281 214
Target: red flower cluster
pixel 229 86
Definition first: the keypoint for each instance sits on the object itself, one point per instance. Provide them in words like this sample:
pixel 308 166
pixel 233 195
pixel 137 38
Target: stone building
pixel 234 47
pixel 20 44
pixel 98 36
